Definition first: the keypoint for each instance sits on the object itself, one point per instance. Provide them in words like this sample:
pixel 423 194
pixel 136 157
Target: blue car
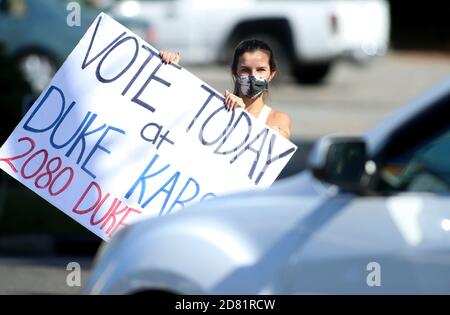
pixel 37 35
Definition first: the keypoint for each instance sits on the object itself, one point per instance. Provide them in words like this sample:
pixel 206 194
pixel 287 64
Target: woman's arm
pixel 282 123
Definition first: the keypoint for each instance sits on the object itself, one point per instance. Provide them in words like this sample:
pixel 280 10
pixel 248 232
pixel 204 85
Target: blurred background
pixel 344 66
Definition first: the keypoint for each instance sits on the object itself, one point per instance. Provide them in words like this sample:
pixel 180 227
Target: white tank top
pixel 264 114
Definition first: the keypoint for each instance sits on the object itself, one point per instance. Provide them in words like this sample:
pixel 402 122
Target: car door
pixel 395 241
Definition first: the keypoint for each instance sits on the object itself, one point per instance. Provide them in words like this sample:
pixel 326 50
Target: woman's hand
pixel 169 57
pixel 231 101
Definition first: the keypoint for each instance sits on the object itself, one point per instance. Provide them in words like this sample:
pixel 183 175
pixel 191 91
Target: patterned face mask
pixel 252 86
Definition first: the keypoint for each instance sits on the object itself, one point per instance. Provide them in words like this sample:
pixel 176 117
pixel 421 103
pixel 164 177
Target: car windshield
pixel 425 167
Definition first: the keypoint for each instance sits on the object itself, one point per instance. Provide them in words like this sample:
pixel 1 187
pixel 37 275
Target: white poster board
pixel 119 136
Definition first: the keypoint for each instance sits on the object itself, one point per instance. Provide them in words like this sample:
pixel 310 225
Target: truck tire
pixel 313 73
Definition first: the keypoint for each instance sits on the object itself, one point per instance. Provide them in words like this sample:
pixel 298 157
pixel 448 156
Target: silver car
pixel 370 215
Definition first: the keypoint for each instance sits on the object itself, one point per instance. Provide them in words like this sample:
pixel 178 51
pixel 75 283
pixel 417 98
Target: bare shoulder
pixel 281 121
pixel 280 117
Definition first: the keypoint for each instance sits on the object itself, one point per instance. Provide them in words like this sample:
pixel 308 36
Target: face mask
pixel 252 86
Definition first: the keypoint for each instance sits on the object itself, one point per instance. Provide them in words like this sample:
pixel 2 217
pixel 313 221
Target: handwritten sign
pixel 119 136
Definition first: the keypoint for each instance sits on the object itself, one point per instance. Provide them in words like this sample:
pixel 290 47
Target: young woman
pixel 253 67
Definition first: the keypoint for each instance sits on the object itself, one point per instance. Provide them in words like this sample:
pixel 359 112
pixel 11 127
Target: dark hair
pixel 251 45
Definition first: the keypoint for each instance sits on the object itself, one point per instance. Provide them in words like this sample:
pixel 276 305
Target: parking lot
pixel 352 100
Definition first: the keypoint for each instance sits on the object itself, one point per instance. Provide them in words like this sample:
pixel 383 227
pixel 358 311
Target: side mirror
pixel 340 160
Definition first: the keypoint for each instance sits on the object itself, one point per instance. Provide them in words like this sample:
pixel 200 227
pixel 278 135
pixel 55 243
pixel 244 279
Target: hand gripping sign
pixel 119 136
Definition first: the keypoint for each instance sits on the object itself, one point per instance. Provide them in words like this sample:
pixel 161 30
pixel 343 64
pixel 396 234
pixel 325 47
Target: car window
pixel 424 167
pixel 4 6
pixel 13 7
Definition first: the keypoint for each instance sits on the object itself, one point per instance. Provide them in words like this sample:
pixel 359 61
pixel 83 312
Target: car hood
pixel 258 230
pixel 248 234
pixel 286 200
pixel 263 215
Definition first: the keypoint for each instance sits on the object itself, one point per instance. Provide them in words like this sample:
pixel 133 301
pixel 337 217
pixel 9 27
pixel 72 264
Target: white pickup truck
pixel 307 36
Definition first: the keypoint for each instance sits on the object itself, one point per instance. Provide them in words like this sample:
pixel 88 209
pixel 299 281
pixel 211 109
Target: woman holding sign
pixel 253 67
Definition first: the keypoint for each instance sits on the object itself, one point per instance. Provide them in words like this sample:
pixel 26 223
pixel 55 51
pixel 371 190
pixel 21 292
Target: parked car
pixel 307 36
pixel 37 35
pixel 376 203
